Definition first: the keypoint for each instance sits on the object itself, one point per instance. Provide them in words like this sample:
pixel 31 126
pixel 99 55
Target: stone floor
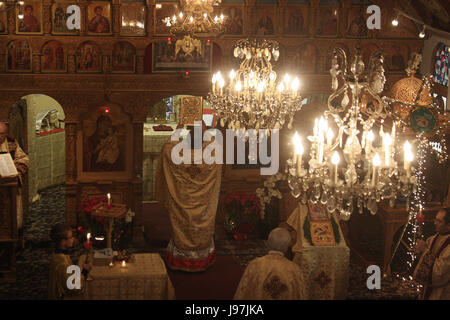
pixel 32 261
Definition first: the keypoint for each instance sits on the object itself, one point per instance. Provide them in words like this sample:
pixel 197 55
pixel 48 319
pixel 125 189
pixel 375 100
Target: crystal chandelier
pixel 195 20
pixel 370 171
pixel 252 98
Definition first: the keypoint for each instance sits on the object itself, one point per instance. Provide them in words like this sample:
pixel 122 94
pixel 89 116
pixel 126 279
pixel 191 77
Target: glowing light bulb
pixel 20 15
pixel 205 15
pixel 221 16
pixel 214 79
pixel 232 74
pixel 272 76
pixel 261 86
pixel 298 144
pixel 181 15
pixel 395 22
pixel 335 158
pixel 295 84
pixel 376 160
pixel 238 86
pixel 191 19
pixel 370 136
pixel 287 79
pixel 281 87
pixel 216 19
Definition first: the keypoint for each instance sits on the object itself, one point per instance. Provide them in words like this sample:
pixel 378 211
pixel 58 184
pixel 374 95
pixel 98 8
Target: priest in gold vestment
pixel 190 193
pixel 272 277
pixel 21 161
pixel 433 269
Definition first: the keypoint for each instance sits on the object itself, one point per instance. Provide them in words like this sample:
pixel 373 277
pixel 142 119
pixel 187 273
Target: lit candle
pixel 221 84
pixel 111 264
pixel 387 141
pixel 316 127
pixel 329 137
pixel 109 198
pixel 335 160
pixel 124 264
pixel 294 86
pixel 408 158
pixel 370 138
pixel 376 163
pixel 214 80
pixel 88 237
pixel 298 152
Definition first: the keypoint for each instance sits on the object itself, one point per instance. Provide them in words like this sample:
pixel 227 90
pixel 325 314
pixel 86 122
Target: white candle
pixel 335 161
pixel 387 142
pixel 298 152
pixel 370 138
pixel 124 264
pixel 408 158
pixel 329 137
pixel 376 163
pixel 109 198
pixel 88 237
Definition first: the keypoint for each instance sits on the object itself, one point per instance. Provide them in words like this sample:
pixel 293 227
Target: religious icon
pixel 59 18
pixel 123 57
pixel 103 148
pixel 265 24
pixel 3 19
pixel 423 120
pixel 295 23
pixel 306 58
pixel 53 57
pixel 29 18
pixel 327 21
pixel 356 23
pixel 184 54
pixel 18 56
pixel 191 110
pixel 396 56
pixel 234 21
pixel 89 58
pixel 162 11
pixel 317 212
pixel 99 17
pixel 133 19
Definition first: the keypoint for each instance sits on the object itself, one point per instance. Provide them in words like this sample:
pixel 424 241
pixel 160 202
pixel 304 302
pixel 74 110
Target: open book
pixel 7 167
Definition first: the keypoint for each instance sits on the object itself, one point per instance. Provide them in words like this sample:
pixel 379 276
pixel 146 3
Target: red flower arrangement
pixel 243 210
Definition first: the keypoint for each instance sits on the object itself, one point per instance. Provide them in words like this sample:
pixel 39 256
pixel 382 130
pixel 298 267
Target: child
pixel 61 235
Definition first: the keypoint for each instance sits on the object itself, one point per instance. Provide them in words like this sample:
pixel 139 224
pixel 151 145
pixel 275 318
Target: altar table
pixel 145 278
pixel 325 269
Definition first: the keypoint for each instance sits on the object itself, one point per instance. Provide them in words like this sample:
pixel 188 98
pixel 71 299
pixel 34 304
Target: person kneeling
pixel 272 277
pixel 61 235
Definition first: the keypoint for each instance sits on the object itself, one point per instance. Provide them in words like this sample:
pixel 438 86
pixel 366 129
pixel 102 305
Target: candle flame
pixel 376 160
pixel 335 158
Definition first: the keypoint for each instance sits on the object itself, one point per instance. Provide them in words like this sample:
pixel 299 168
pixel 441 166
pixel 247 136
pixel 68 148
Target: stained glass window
pixel 441 63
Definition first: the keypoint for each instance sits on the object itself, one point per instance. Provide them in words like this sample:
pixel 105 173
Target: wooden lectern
pixel 9 235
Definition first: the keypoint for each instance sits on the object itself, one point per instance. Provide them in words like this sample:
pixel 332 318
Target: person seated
pixel 61 235
pixel 272 277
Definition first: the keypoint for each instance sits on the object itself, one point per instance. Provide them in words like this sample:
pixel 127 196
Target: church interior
pixel 93 95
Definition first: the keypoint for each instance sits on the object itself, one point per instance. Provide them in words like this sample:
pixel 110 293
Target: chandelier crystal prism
pixel 195 19
pixel 357 166
pixel 252 98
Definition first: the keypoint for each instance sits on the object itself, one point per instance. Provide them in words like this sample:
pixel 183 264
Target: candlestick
pixel 387 141
pixel 370 138
pixel 335 161
pixel 376 163
pixel 329 137
pixel 124 264
pixel 109 198
pixel 298 152
pixel 88 237
pixel 408 158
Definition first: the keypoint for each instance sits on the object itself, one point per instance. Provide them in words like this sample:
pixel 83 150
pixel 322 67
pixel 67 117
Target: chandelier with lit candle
pixel 355 166
pixel 195 19
pixel 252 98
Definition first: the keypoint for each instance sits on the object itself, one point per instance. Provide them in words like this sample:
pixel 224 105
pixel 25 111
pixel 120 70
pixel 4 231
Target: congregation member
pixel 273 277
pixel 433 270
